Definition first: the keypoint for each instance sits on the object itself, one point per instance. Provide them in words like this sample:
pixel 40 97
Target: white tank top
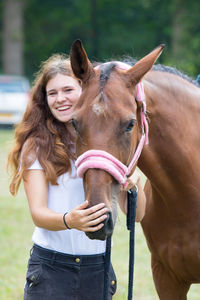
pixel 63 198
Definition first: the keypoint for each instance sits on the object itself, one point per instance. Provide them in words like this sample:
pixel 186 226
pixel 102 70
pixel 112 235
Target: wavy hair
pixel 40 135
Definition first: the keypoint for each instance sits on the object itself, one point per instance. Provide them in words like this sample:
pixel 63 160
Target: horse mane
pixel 175 71
pixel 107 68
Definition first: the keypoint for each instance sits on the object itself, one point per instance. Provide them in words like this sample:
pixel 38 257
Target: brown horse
pixel 107 118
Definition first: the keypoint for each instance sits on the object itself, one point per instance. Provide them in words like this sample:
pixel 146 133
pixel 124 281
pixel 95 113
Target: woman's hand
pixel 132 180
pixel 87 219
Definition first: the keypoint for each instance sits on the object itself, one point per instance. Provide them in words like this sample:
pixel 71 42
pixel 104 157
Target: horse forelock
pixel 105 71
pixel 99 104
pixel 107 68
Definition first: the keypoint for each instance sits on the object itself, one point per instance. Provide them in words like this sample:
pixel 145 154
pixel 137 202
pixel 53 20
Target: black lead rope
pixel 130 223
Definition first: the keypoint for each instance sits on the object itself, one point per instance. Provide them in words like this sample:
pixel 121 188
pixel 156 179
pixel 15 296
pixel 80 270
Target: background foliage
pixel 113 28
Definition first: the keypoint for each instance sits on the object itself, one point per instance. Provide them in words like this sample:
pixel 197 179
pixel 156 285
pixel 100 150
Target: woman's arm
pixel 133 180
pixel 81 218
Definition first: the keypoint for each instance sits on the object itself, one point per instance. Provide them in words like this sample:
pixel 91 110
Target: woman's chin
pixel 64 117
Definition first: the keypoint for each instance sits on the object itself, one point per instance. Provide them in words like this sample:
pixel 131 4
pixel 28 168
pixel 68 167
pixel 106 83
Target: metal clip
pixel 136 189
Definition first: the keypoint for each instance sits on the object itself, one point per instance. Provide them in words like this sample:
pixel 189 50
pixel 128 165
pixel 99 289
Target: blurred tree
pixel 13 37
pixel 52 26
pixel 178 28
pixel 185 42
pixel 94 28
pixel 111 29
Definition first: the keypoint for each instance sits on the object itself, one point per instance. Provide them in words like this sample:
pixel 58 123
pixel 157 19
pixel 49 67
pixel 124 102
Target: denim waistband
pixel 67 258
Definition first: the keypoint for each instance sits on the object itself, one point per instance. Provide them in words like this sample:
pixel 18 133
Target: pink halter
pixel 100 159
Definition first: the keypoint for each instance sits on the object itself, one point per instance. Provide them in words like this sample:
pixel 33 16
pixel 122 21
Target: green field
pixel 15 240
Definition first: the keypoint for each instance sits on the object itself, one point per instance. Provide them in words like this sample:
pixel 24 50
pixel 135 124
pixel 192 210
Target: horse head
pixel 106 119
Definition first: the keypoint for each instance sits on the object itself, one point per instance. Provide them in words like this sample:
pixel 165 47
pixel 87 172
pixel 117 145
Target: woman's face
pixel 63 92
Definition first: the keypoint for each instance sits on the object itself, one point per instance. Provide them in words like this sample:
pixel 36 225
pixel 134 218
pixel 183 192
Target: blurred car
pixel 14 96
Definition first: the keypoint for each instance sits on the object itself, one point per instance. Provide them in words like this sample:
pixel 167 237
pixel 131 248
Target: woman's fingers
pixel 94 208
pixel 94 228
pixel 97 214
pixel 88 219
pixel 91 210
pixel 132 180
pixel 97 220
pixel 83 205
pixel 96 217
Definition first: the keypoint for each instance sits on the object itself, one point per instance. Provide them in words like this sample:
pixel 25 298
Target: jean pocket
pixel 34 277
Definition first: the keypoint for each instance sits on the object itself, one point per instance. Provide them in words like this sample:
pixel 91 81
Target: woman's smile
pixel 64 108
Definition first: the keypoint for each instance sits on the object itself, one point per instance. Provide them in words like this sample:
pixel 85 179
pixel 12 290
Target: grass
pixel 15 240
pixel 15 230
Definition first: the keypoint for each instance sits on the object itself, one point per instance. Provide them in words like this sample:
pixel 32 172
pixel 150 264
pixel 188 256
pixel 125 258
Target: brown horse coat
pixel 171 161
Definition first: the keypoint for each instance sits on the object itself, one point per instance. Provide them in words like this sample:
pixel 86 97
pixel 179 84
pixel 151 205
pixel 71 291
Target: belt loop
pixel 53 257
pixel 31 250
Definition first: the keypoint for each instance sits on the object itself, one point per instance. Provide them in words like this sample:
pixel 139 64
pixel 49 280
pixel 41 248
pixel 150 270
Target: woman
pixel 63 262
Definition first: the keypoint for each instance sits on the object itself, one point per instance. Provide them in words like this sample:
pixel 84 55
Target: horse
pixel 107 118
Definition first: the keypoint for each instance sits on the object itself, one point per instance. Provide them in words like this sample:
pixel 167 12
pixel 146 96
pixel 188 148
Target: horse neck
pixel 173 109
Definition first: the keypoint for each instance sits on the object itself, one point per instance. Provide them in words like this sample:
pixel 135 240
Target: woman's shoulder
pixel 29 156
pixel 35 165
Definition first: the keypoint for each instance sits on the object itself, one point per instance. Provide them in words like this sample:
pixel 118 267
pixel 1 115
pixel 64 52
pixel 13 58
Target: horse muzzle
pixel 105 232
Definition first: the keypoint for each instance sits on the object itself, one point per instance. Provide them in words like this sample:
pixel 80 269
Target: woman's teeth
pixel 63 108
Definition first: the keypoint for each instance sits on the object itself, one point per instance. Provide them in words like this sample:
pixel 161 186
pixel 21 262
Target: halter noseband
pixel 99 159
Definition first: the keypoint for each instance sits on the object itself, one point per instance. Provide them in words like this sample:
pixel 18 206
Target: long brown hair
pixel 40 135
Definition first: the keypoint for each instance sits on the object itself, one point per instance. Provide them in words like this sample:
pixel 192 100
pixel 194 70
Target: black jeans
pixel 56 276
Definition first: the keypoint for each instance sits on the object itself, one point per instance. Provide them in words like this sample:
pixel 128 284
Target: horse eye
pixel 130 125
pixel 74 124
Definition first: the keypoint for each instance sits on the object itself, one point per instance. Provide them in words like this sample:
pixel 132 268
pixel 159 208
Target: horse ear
pixel 80 63
pixel 144 65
